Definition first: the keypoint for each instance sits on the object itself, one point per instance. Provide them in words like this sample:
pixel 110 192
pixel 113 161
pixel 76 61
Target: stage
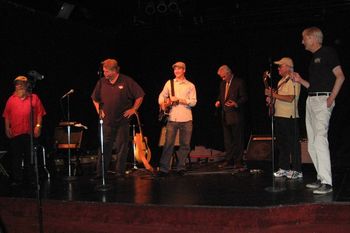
pixel 206 199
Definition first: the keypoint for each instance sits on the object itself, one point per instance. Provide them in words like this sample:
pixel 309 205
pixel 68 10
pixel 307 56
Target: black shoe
pixel 314 185
pixel 180 173
pixel 96 178
pixel 226 164
pixel 119 176
pixel 323 189
pixel 15 183
pixel 162 174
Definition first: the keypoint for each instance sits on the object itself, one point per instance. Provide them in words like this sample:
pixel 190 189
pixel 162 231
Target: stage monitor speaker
pixel 305 156
pixel 162 137
pixel 259 148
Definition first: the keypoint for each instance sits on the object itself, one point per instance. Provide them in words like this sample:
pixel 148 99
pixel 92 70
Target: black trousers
pixel 287 140
pixel 233 141
pixel 20 148
pixel 118 136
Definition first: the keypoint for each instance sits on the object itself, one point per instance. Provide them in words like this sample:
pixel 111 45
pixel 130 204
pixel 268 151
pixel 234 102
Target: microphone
pixel 35 75
pixel 68 93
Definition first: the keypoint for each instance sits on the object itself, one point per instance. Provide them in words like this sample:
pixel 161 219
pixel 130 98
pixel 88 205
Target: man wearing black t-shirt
pixel 325 80
pixel 116 98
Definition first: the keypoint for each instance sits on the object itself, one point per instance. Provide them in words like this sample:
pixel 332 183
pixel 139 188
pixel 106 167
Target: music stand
pixel 68 140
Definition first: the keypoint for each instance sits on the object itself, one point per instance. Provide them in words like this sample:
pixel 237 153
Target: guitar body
pixel 164 111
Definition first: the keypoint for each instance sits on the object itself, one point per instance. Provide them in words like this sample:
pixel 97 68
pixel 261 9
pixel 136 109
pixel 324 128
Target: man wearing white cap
pixel 286 115
pixel 18 127
pixel 181 100
pixel 325 81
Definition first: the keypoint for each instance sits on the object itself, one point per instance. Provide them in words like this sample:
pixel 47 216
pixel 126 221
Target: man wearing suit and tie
pixel 231 99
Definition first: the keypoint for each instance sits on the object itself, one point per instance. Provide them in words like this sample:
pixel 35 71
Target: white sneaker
pixel 280 173
pixel 294 175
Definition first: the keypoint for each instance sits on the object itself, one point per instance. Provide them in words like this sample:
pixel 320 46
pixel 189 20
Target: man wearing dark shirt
pixel 231 99
pixel 116 98
pixel 325 80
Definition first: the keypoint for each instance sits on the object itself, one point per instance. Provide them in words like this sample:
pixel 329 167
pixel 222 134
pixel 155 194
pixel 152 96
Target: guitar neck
pixel 139 124
pixel 266 84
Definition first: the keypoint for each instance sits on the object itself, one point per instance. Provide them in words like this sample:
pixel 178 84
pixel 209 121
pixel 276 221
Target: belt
pixel 319 94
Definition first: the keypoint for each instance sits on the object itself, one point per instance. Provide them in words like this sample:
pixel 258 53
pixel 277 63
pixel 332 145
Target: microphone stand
pixel 273 188
pixel 69 177
pixel 33 154
pixel 296 136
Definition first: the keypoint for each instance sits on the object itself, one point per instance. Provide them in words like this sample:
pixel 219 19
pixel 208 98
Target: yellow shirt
pixel 284 108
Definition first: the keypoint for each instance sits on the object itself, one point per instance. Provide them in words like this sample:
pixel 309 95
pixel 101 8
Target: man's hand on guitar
pixel 165 105
pixel 268 100
pixel 174 100
pixel 269 92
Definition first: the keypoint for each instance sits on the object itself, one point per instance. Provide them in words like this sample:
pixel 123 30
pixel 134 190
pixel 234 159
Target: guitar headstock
pixel 266 75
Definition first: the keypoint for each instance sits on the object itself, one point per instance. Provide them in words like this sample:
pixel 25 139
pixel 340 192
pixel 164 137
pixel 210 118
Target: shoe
pixel 280 173
pixel 314 185
pixel 225 164
pixel 162 174
pixel 118 175
pixel 323 189
pixel 95 178
pixel 294 175
pixel 238 166
pixel 181 173
pixel 15 183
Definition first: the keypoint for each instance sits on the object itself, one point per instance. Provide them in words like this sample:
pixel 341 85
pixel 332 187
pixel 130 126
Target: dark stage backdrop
pixel 69 53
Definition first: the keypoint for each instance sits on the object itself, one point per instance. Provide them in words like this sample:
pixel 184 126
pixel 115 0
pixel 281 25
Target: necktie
pixel 226 89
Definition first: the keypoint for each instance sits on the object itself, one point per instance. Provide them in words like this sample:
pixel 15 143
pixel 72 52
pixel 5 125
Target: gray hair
pixel 224 68
pixel 314 31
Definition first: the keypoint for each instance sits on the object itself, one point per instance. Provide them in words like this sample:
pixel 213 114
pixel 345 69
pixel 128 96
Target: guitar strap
pixel 172 87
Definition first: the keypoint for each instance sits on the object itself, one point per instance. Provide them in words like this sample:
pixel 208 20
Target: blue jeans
pixel 185 133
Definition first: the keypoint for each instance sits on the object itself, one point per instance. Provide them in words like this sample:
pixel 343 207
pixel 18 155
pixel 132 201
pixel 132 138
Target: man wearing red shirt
pixel 18 125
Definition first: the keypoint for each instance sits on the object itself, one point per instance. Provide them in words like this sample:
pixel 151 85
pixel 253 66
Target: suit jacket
pixel 237 92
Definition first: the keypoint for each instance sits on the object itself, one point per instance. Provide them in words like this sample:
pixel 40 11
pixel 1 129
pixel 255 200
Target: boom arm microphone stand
pixel 273 188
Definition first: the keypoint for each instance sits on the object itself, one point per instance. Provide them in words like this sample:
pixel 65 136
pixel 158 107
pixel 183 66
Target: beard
pixel 21 93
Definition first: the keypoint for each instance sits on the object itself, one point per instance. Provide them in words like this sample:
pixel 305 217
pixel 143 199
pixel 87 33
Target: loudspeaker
pixel 305 156
pixel 162 137
pixel 259 148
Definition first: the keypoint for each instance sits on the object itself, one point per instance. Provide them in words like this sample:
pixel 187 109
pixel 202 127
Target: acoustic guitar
pixel 164 111
pixel 271 104
pixel 142 151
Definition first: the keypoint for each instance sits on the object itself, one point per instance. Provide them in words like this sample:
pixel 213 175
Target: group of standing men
pixel 117 97
pixel 325 80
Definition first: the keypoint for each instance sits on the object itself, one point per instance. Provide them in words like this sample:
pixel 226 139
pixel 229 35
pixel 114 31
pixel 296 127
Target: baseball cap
pixel 179 64
pixel 285 61
pixel 21 79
